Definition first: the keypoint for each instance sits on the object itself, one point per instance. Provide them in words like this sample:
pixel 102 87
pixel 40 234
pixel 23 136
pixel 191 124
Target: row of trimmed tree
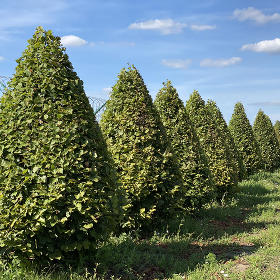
pixel 66 183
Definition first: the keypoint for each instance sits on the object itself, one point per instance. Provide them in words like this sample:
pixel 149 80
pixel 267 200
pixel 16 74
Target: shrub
pixel 222 125
pixel 192 159
pixel 267 140
pixel 244 139
pixel 213 143
pixel 136 138
pixel 57 185
pixel 277 130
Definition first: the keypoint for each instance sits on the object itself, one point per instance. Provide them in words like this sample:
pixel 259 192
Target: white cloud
pixel 107 89
pixel 196 27
pixel 220 62
pixel 176 63
pixel 164 26
pixel 256 15
pixel 265 103
pixel 72 41
pixel 1 58
pixel 267 46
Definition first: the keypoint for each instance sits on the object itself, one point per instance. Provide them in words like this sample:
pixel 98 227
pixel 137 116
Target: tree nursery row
pixel 68 182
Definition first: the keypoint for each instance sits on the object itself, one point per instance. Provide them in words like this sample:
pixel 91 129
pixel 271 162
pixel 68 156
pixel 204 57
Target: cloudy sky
pixel 227 50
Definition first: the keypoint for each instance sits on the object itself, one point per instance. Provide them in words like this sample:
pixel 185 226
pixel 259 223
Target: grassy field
pixel 236 240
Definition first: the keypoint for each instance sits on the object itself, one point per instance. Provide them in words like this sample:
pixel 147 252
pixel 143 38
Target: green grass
pixel 236 240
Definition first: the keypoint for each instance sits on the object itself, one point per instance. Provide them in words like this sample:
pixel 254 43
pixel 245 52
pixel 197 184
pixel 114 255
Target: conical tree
pixel 138 143
pixel 185 143
pixel 267 140
pixel 277 130
pixel 244 139
pixel 222 125
pixel 214 145
pixel 57 185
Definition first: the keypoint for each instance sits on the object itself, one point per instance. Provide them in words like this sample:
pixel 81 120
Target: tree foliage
pixel 185 143
pixel 244 139
pixel 277 130
pixel 137 140
pixel 222 125
pixel 267 140
pixel 57 185
pixel 213 143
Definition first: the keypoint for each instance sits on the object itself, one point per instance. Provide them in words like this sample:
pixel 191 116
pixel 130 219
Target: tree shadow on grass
pixel 230 219
pixel 145 260
pixel 163 257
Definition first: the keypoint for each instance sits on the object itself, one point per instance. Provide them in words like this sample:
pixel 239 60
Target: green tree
pixel 267 140
pixel 277 130
pixel 58 195
pixel 244 139
pixel 213 143
pixel 192 160
pixel 222 125
pixel 137 140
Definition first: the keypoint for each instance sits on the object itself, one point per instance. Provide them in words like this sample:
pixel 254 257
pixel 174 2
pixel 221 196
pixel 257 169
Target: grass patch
pixel 236 240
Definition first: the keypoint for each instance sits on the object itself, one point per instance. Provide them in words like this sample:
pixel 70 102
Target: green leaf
pixel 88 226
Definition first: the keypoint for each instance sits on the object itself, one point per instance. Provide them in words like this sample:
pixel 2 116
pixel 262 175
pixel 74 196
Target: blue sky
pixel 227 50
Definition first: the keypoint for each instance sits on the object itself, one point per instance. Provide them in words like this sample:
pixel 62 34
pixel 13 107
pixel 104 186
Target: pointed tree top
pixel 239 107
pixel 196 96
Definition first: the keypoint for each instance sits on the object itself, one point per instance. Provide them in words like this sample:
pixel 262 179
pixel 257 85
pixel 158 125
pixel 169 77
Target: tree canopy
pixel 244 139
pixel 137 140
pixel 185 143
pixel 58 192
